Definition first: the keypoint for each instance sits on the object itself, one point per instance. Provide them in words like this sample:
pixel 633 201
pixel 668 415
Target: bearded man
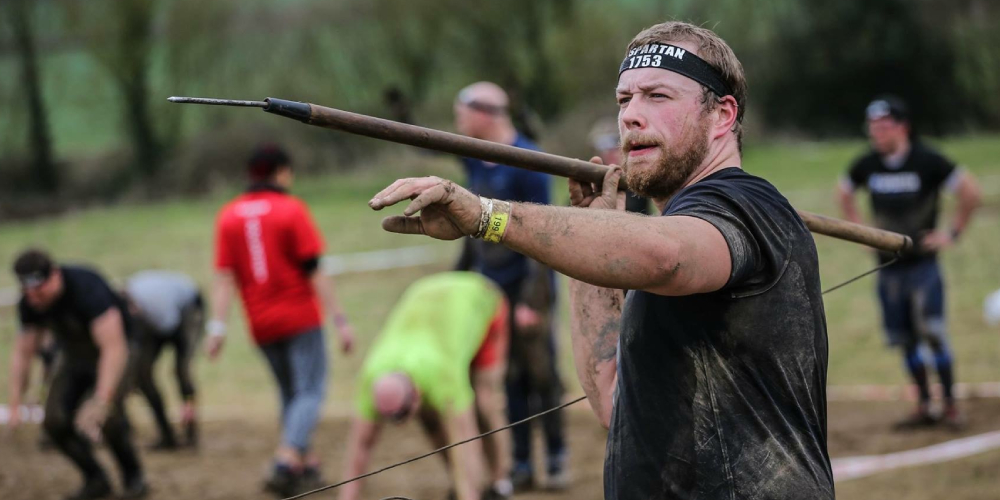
pixel 711 375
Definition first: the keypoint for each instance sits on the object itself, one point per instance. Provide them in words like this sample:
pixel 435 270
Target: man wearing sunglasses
pixel 441 357
pixel 84 405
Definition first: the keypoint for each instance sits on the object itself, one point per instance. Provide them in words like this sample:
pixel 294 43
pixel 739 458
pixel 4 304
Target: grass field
pixel 177 235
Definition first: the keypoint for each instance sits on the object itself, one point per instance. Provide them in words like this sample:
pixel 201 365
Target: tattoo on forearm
pixel 605 340
pixel 605 343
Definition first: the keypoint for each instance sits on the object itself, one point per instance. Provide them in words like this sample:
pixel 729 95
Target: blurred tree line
pixel 85 82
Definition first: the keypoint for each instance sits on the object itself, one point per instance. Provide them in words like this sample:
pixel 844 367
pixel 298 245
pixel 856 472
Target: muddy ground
pixel 234 454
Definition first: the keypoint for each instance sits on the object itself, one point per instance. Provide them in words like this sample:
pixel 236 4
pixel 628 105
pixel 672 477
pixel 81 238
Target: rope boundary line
pixel 435 452
pixel 532 417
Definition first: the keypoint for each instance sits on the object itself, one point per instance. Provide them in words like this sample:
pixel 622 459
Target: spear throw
pixel 460 145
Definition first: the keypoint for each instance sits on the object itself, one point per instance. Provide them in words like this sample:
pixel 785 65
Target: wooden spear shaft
pixel 460 145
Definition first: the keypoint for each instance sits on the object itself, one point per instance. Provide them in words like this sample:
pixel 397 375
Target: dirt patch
pixel 866 428
pixel 234 456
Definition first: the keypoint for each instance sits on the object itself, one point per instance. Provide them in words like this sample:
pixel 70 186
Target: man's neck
pixel 897 156
pixel 725 155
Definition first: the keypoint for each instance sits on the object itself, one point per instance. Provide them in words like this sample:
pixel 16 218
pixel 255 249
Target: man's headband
pixel 678 60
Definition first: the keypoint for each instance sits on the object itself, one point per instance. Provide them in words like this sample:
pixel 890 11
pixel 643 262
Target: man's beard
pixel 675 166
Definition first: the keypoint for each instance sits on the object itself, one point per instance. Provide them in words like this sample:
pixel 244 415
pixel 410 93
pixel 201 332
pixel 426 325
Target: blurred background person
pixel 85 401
pixel 482 112
pixel 268 247
pixel 446 330
pixel 168 311
pixel 604 138
pixel 904 178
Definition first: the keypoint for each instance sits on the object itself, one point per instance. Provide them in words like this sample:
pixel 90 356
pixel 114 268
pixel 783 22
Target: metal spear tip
pixel 217 102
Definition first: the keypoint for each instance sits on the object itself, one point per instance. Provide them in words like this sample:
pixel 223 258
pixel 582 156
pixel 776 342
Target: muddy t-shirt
pixel 722 395
pixel 905 198
pixel 86 296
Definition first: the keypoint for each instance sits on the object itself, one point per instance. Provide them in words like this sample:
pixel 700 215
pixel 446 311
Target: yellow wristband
pixel 497 225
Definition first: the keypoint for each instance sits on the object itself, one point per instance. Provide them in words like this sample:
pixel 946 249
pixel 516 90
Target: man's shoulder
pixel 734 193
pixel 87 289
pixel 82 276
pixel 923 154
pixel 259 204
pixel 734 183
pixel 869 159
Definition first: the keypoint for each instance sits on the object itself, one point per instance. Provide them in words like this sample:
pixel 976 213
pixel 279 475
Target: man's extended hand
pixel 447 211
pixel 526 318
pixel 90 418
pixel 936 240
pixel 585 194
pixel 346 334
pixel 14 418
pixel 214 346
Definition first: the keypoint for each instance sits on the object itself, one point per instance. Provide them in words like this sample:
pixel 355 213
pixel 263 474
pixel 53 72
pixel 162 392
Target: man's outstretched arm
pixel 970 197
pixel 360 442
pixel 607 248
pixel 848 206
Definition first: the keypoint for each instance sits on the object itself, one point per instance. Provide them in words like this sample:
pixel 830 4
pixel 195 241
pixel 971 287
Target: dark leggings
pixel 184 342
pixel 71 385
pixel 533 385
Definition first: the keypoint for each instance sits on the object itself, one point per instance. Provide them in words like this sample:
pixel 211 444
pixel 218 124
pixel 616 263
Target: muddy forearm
pixel 604 247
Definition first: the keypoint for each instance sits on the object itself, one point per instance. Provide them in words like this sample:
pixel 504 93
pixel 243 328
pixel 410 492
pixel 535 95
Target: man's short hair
pixel 713 50
pixel 265 161
pixel 33 266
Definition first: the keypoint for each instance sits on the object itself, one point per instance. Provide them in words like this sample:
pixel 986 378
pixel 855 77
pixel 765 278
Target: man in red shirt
pixel 268 247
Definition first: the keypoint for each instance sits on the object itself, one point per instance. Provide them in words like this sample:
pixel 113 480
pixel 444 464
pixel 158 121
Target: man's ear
pixel 728 111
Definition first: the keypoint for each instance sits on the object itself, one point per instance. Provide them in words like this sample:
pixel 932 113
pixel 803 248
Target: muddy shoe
pixel 164 444
pixel 500 490
pixel 135 488
pixel 191 434
pixel 558 479
pixel 557 475
pixel 310 480
pixel 283 482
pixel 953 419
pixel 522 478
pixel 93 489
pixel 921 417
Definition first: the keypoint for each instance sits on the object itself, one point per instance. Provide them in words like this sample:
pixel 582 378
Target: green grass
pixel 177 235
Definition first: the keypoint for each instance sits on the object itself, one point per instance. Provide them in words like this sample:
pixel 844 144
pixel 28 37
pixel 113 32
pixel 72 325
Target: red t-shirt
pixel 264 237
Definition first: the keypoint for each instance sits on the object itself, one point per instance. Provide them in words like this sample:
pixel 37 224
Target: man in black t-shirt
pixel 711 374
pixel 905 179
pixel 84 404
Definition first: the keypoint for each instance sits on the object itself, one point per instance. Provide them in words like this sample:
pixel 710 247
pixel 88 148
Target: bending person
pixel 446 330
pixel 85 401
pixel 169 311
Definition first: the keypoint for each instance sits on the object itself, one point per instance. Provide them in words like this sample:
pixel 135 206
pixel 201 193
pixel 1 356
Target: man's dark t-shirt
pixel 904 199
pixel 86 296
pixel 723 394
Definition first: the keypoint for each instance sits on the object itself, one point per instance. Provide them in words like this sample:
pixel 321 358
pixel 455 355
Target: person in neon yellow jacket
pixel 441 357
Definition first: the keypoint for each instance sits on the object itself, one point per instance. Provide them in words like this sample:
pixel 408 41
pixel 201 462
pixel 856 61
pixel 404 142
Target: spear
pixel 460 145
